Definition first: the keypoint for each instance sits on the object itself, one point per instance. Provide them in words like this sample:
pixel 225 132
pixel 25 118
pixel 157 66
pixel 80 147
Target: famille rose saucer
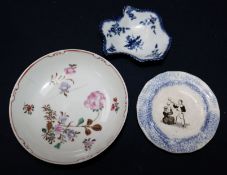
pixel 68 106
pixel 178 112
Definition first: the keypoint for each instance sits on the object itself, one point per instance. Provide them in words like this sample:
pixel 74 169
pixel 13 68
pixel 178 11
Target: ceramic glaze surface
pixel 178 112
pixel 138 33
pixel 68 106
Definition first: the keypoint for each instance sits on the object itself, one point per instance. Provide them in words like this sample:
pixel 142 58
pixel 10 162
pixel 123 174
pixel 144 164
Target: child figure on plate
pixel 180 108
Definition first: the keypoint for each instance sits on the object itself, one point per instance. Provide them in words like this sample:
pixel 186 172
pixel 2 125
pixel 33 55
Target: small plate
pixel 178 112
pixel 68 106
pixel 138 33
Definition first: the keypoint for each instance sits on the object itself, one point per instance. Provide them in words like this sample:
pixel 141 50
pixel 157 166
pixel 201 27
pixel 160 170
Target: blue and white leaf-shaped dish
pixel 178 112
pixel 138 33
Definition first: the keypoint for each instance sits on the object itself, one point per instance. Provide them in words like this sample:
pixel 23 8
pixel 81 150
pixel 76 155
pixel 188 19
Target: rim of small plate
pixel 155 135
pixel 117 19
pixel 17 86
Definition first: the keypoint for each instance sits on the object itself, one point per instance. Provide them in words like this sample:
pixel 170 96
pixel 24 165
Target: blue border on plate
pixel 151 130
pixel 117 19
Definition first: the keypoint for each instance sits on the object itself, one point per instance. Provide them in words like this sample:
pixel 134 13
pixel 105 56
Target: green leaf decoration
pixel 58 145
pixel 80 121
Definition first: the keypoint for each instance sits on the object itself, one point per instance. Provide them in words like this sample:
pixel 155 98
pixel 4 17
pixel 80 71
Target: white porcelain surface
pixel 178 112
pixel 138 33
pixel 68 106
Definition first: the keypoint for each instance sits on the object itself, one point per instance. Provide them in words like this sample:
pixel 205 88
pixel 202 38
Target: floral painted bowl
pixel 68 106
pixel 178 112
pixel 138 33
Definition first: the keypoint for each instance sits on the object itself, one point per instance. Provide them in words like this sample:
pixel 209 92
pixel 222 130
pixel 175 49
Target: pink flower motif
pixel 115 105
pixel 112 107
pixel 58 129
pixel 71 69
pixel 95 101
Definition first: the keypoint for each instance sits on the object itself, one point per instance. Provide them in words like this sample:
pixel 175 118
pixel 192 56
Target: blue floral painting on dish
pixel 155 134
pixel 134 43
pixel 111 48
pixel 155 53
pixel 139 33
pixel 116 30
pixel 129 12
pixel 150 22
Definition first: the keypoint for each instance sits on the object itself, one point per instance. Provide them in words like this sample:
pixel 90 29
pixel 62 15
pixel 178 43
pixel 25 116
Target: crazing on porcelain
pixel 138 33
pixel 178 112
